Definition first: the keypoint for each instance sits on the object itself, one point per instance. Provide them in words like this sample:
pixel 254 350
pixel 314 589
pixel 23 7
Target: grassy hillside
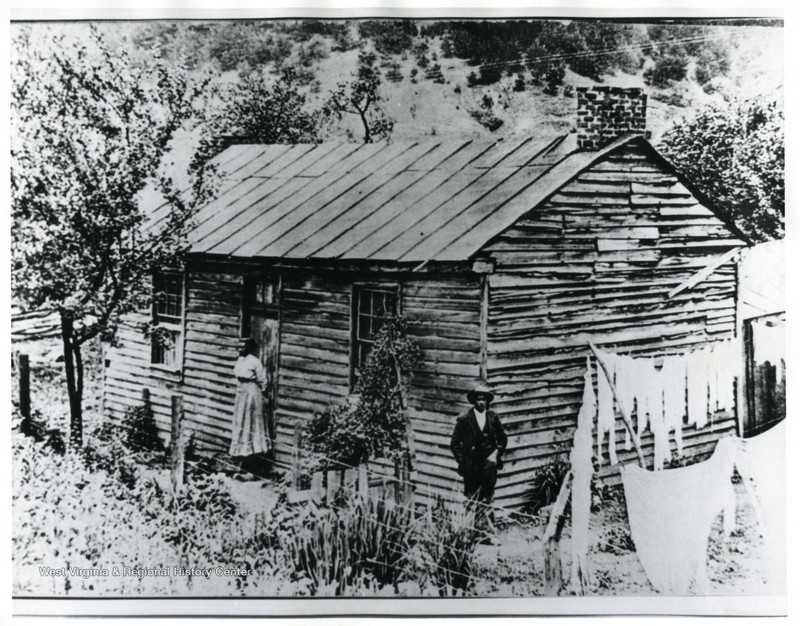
pixel 720 60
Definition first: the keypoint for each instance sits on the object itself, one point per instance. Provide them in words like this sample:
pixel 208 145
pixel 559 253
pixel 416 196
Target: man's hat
pixel 480 390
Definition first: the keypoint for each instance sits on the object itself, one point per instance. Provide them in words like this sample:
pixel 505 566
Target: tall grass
pixel 360 540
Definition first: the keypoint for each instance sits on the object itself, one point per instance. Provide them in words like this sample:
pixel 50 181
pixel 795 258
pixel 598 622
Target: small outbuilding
pixel 506 258
pixel 762 314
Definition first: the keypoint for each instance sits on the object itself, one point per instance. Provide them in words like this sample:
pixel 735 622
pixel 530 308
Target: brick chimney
pixel 607 113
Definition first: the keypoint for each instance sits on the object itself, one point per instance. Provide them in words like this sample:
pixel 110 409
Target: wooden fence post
pixel 363 481
pixel 334 482
pixel 317 487
pixel 176 445
pixel 25 392
pixel 553 579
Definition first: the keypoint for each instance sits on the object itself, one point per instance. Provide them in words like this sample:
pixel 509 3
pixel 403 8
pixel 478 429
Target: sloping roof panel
pixel 398 201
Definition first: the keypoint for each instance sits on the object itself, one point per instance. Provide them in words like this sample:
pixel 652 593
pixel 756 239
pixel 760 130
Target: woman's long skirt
pixel 250 434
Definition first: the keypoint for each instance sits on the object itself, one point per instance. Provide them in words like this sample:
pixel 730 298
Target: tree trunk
pixel 365 122
pixel 73 367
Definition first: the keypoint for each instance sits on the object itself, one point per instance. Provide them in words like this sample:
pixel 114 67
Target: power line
pixel 526 61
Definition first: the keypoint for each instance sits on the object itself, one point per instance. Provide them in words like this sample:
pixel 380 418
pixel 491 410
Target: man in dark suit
pixel 478 444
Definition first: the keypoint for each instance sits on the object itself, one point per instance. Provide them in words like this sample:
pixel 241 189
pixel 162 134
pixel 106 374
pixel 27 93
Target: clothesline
pixel 685 390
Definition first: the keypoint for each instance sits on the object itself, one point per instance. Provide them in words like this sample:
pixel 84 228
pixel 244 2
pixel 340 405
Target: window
pixel 259 295
pixel 167 337
pixel 372 306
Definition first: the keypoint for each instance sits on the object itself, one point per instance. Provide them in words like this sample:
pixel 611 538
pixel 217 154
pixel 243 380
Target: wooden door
pixel 264 328
pixel 261 321
pixel 765 389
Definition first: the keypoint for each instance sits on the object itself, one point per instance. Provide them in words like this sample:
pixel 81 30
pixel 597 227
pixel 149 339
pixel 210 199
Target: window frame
pixel 248 303
pixel 356 341
pixel 176 328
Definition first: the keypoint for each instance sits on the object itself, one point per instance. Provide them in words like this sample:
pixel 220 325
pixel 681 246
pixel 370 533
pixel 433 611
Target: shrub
pixel 69 511
pixel 616 540
pixel 373 424
pixel 141 431
pixel 546 484
pixel 667 70
pixel 553 78
pixel 389 36
pixel 487 119
pixel 490 74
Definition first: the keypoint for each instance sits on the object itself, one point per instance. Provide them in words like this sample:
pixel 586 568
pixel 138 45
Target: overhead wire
pixel 526 61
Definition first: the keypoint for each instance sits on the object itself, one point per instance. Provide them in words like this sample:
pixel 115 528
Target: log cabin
pixel 506 258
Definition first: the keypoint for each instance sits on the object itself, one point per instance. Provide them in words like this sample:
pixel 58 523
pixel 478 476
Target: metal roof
pixel 400 201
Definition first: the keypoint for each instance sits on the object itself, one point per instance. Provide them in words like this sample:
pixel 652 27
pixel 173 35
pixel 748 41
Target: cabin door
pixel 765 389
pixel 262 323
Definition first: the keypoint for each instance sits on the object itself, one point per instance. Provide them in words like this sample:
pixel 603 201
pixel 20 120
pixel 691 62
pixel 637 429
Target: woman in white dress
pixel 250 434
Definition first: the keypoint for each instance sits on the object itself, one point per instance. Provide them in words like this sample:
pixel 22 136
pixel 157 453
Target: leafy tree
pixel 545 69
pixel 389 36
pixel 362 97
pixel 667 70
pixel 90 129
pixel 734 153
pixel 257 111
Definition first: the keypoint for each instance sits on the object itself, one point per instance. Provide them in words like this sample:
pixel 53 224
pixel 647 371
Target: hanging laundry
pixel 581 461
pixel 697 393
pixel 644 373
pixel 625 383
pixel 655 403
pixel 673 377
pixel 728 363
pixel 605 410
pixel 711 359
pixel 671 514
pixel 761 461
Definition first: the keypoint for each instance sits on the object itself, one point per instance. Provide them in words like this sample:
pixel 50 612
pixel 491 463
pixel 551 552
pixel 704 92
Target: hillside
pixel 719 60
pixel 289 81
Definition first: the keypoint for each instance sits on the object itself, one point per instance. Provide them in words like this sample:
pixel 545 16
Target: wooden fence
pixel 376 478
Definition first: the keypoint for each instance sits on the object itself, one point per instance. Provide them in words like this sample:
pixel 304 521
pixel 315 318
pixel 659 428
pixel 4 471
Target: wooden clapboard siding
pixel 596 262
pixel 443 316
pixel 444 319
pixel 206 382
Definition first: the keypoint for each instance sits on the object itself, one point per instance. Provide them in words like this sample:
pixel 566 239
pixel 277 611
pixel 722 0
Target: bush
pixel 373 423
pixel 554 78
pixel 70 511
pixel 141 431
pixel 667 70
pixel 487 119
pixel 389 36
pixel 616 540
pixel 546 484
pixel 490 74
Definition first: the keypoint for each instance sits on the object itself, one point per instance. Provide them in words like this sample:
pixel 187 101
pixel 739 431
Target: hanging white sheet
pixel 671 514
pixel 761 461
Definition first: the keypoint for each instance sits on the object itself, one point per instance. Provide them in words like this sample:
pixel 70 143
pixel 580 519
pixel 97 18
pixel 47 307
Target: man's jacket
pixel 471 446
